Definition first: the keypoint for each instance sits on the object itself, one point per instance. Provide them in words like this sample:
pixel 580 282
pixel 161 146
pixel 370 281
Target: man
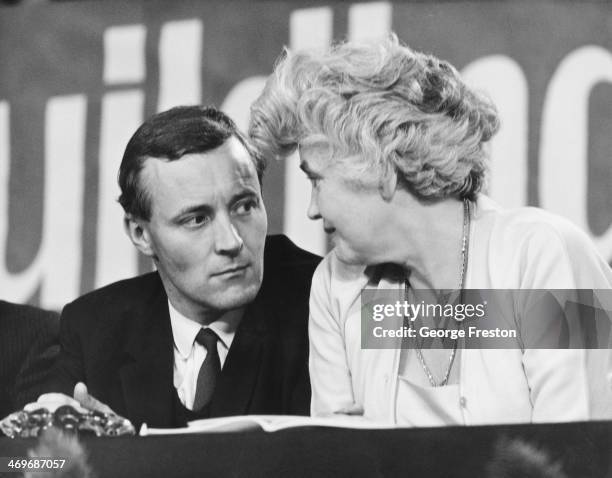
pixel 28 348
pixel 221 327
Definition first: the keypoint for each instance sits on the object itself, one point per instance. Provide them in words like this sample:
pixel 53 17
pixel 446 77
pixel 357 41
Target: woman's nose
pixel 313 208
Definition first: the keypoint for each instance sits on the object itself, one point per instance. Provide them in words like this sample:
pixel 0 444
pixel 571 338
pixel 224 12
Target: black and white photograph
pixel 306 238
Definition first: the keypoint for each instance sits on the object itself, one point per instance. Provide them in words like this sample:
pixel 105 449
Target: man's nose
pixel 227 238
pixel 313 208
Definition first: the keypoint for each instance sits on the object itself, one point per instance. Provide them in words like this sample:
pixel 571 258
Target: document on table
pixel 268 423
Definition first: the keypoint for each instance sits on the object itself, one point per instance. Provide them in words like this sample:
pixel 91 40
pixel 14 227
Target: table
pixel 584 449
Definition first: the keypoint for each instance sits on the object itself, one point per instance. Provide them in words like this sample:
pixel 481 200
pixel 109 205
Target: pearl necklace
pixel 464 256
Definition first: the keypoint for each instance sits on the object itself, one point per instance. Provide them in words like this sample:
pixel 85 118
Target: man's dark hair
pixel 169 136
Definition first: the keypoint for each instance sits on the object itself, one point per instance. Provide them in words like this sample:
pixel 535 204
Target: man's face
pixel 207 228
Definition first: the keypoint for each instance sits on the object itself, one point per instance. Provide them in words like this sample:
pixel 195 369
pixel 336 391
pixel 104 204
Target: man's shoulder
pixel 128 291
pixel 288 269
pixel 281 253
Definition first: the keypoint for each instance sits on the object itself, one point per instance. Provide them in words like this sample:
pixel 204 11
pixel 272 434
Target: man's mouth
pixel 329 230
pixel 237 269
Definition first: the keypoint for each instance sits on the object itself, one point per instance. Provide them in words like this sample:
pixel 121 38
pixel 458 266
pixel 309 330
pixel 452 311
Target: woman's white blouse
pixel 418 406
pixel 524 248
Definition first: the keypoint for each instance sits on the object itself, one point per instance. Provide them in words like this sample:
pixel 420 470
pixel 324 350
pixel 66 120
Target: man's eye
pixel 197 220
pixel 245 207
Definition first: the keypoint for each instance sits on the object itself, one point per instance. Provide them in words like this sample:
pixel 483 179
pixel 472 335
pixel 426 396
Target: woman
pixel 394 144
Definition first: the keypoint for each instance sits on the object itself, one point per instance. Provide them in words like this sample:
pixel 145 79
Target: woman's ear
pixel 388 182
pixel 138 232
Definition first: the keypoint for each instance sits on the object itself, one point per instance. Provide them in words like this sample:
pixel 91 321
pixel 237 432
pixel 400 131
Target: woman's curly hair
pixel 396 109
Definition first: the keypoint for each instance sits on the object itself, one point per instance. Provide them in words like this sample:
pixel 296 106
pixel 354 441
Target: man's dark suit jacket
pixel 118 340
pixel 28 349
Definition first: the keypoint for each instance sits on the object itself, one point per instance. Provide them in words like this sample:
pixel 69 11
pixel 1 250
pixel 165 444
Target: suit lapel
pixel 242 367
pixel 147 375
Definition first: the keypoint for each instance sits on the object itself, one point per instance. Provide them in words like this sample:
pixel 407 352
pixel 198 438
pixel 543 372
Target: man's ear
pixel 388 182
pixel 138 233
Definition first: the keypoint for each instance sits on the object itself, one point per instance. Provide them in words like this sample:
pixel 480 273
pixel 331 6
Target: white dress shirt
pixel 189 355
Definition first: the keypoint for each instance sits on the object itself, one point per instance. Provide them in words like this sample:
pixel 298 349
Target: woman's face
pixel 354 215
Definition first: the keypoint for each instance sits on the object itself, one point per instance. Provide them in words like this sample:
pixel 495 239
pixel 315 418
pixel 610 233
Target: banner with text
pixel 77 78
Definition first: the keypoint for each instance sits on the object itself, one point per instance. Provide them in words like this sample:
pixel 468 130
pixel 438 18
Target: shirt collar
pixel 184 330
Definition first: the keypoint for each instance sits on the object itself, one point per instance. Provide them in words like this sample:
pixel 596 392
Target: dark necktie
pixel 209 371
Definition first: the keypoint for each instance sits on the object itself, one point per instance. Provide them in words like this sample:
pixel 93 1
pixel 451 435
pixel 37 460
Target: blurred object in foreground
pixel 54 443
pixel 515 458
pixel 30 423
